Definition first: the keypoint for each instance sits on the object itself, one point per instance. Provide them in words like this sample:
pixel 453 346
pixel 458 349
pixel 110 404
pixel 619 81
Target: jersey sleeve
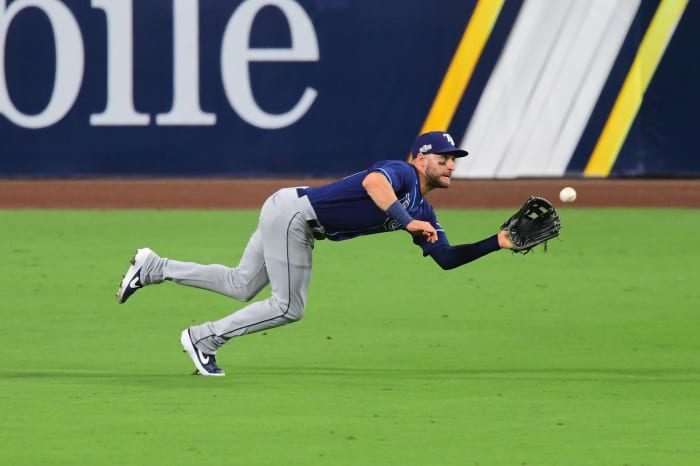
pixel 399 173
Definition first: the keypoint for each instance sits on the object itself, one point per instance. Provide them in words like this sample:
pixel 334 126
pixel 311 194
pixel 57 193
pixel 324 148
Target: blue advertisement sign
pixel 242 88
pixel 189 87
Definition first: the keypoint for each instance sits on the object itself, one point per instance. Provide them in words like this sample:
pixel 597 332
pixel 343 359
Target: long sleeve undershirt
pixel 449 257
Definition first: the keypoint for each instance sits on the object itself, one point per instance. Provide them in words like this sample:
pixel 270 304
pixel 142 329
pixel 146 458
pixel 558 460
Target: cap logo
pixel 449 139
pixel 426 148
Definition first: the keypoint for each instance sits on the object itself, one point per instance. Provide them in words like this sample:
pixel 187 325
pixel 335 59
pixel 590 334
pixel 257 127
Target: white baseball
pixel 567 194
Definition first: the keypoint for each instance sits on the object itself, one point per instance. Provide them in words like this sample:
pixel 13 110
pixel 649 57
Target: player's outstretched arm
pixel 449 257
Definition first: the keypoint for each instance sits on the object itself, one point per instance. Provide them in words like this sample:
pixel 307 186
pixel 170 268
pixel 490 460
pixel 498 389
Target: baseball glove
pixel 536 222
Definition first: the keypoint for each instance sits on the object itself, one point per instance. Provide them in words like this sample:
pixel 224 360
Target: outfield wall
pixel 173 88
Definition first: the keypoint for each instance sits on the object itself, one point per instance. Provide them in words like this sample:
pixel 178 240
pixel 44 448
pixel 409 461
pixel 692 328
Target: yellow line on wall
pixel 630 98
pixel 461 68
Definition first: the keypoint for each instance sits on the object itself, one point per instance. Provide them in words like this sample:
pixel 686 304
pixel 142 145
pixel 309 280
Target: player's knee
pixel 295 314
pixel 291 310
pixel 244 295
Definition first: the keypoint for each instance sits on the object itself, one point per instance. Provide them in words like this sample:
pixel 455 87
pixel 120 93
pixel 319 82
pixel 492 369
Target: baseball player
pixel 388 196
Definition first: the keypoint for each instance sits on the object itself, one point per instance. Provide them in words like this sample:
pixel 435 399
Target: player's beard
pixel 437 177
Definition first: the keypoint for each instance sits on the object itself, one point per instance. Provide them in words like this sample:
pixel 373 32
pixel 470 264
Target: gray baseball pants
pixel 278 253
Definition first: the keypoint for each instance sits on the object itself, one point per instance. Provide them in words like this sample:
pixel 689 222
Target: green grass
pixel 585 355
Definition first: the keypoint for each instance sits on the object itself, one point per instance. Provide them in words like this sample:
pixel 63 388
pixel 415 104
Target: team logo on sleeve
pixel 391 225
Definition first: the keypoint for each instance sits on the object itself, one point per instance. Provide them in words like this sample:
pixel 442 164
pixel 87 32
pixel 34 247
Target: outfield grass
pixel 585 355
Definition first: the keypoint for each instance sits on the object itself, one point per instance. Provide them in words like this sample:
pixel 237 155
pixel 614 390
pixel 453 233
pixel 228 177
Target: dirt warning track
pixel 250 193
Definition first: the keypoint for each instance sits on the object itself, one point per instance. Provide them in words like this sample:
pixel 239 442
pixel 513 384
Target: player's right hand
pixel 421 228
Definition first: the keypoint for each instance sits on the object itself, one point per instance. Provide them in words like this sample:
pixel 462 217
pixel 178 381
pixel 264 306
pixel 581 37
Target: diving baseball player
pixel 388 196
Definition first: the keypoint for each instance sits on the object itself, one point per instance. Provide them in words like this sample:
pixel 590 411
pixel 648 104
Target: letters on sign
pixel 186 110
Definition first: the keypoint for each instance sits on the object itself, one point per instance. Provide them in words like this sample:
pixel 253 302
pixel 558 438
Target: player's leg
pixel 242 282
pixel 287 245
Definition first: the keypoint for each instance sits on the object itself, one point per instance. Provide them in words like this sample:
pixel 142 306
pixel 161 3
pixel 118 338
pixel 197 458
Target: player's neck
pixel 425 186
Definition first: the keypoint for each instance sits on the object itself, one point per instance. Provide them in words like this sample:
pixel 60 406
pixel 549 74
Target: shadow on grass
pixel 631 375
pixel 67 375
pixel 554 374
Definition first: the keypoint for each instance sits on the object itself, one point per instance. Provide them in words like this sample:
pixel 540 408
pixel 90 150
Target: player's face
pixel 438 170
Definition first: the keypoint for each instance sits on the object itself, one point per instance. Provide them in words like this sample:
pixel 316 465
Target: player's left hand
pixel 504 240
pixel 536 222
pixel 421 228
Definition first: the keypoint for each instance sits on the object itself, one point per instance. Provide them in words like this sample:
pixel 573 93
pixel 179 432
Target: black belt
pixel 318 231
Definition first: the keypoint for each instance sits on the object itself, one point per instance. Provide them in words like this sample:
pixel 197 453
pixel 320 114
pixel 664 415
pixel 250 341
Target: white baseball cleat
pixel 133 279
pixel 205 363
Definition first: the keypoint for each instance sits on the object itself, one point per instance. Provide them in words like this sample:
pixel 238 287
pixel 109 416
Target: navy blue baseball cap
pixel 436 142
